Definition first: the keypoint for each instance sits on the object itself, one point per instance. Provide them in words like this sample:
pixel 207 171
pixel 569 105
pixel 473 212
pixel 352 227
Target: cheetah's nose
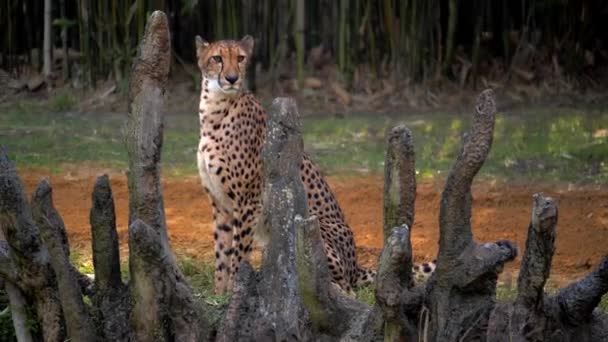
pixel 232 78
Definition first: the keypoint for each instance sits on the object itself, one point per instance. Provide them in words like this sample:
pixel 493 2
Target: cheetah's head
pixel 223 63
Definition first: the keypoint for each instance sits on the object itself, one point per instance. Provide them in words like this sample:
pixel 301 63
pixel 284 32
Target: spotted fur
pixel 422 272
pixel 232 133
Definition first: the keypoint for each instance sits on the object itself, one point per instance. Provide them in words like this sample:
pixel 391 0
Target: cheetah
pixel 232 133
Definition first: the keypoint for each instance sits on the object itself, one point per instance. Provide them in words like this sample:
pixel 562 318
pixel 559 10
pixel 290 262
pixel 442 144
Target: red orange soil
pixel 499 212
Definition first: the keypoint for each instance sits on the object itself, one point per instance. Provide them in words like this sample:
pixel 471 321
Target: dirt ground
pixel 501 211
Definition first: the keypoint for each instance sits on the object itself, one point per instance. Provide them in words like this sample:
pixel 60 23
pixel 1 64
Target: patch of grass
pixel 62 101
pixel 201 278
pixel 550 144
pixel 7 331
pixel 366 294
pixel 604 303
pixel 555 144
pixel 506 293
pixel 82 261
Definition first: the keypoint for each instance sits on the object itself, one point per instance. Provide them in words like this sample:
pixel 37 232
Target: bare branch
pixel 399 180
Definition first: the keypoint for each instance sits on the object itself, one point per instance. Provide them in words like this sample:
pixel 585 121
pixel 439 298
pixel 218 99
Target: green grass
pixel 604 303
pixel 561 144
pixel 201 278
pixel 366 294
pixel 62 101
pixel 199 274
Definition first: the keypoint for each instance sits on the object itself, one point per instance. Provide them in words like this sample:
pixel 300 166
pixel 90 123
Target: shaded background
pixel 346 40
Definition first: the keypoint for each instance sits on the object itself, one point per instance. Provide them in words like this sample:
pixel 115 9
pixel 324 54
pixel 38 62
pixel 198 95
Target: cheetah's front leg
pixel 222 236
pixel 245 220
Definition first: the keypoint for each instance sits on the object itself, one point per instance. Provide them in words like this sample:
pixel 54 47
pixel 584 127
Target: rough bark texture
pixel 463 289
pixel 569 315
pixel 79 325
pixel 164 307
pixel 395 295
pixel 399 180
pixel 29 256
pixel 158 304
pixel 394 282
pixel 18 307
pixel 291 298
pixel 106 258
pixel 270 308
pixel 163 303
pixel 144 129
pixel 333 314
pixel 111 296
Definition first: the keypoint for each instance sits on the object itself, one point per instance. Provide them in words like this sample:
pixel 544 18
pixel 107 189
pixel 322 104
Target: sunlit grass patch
pixel 539 143
pixel 604 303
pixel 82 261
pixel 366 294
pixel 201 277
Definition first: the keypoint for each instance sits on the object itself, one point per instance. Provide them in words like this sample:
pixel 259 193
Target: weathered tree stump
pixel 52 230
pixel 29 268
pixel 291 297
pixel 567 316
pixel 157 304
pixel 463 289
pixel 459 302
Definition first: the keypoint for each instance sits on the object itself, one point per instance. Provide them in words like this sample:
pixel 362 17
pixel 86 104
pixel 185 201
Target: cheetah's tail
pixel 364 277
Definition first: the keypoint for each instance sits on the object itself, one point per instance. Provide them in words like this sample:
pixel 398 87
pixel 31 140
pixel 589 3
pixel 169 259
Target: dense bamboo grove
pixel 417 40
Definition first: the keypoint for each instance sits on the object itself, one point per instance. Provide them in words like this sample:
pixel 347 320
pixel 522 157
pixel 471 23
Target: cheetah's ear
pixel 200 44
pixel 247 44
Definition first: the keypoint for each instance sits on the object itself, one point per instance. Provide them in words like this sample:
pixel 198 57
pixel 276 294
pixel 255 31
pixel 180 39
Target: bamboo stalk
pixel 449 43
pixel 299 35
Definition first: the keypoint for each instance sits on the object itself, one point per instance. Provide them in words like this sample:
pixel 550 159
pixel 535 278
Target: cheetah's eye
pixel 217 59
pixel 240 58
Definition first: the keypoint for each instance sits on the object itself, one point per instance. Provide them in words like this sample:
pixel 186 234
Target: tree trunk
pixel 300 39
pixel 449 42
pixel 46 48
pixel 64 44
pixel 399 180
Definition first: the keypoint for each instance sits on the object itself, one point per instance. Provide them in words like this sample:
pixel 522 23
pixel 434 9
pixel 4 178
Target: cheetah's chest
pixel 210 170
